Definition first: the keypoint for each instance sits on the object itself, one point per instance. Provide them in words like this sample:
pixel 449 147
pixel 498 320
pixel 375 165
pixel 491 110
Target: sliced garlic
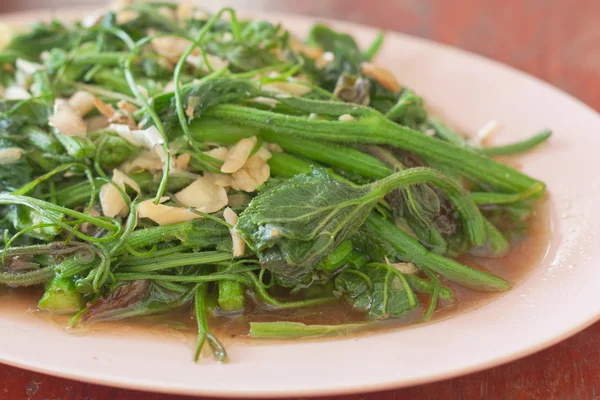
pixel 203 193
pixel 274 147
pixel 105 109
pixel 146 160
pixel 191 106
pixel 10 155
pixel 405 268
pixel 82 102
pixel 16 93
pixel 168 46
pixel 255 172
pixel 381 75
pixel 183 161
pixel 111 200
pixel 67 120
pixel 163 214
pixel 125 106
pixel 238 243
pixel 290 87
pixel 220 153
pixel 238 155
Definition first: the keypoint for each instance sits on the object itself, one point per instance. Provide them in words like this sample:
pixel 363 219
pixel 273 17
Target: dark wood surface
pixel 555 40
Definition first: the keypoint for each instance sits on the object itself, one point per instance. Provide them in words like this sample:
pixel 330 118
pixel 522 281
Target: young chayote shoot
pixel 158 161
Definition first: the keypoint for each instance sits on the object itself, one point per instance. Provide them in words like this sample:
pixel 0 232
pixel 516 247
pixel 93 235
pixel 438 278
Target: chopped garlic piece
pixel 238 243
pixel 165 215
pixel 183 161
pixel 67 120
pixel 405 268
pixel 486 131
pixel 187 10
pixel 27 67
pixel 291 87
pixel 220 153
pixel 266 101
pixel 168 46
pixel 111 200
pixel 216 63
pixel 146 160
pixel 311 52
pixel 125 16
pixel 381 75
pixel 125 106
pixel 324 61
pixel 105 109
pixel 255 172
pixel 238 155
pixel 222 180
pixel 10 155
pixel 274 147
pixel 121 180
pixel 149 138
pixel 191 106
pixel 16 93
pixel 96 123
pixel 167 12
pixel 203 193
pixel 169 87
pixel 92 19
pixel 346 117
pixel 82 102
pixel 125 132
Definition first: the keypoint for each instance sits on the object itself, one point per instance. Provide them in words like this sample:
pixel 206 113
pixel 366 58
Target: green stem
pixel 204 334
pixel 371 127
pixel 411 250
pixel 287 329
pixel 276 304
pixel 27 278
pixel 160 263
pixel 472 218
pixel 134 276
pixel 518 147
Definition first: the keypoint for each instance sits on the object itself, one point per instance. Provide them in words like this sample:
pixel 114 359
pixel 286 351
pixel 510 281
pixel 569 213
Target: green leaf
pixel 341 44
pixel 14 114
pixel 15 175
pixel 297 223
pixel 378 290
pixel 205 94
pixel 41 37
pixel 347 55
pixel 24 217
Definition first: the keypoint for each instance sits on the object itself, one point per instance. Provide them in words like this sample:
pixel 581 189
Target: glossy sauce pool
pixel 524 256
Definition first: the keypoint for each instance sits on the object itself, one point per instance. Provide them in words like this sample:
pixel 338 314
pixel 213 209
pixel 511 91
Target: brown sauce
pixel 525 254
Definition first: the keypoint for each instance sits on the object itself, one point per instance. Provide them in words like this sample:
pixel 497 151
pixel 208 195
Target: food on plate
pixel 158 160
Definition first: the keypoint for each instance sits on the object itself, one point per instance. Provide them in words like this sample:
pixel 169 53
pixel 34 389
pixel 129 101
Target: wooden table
pixel 555 40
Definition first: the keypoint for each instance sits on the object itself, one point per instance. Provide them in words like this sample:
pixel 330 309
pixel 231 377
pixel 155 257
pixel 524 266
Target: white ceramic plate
pixel 558 299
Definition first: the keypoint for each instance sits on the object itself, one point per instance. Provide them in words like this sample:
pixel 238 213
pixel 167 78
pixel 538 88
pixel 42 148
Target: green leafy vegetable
pixel 122 142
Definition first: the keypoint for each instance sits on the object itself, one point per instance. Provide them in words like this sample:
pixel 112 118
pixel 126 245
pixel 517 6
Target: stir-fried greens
pixel 155 158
